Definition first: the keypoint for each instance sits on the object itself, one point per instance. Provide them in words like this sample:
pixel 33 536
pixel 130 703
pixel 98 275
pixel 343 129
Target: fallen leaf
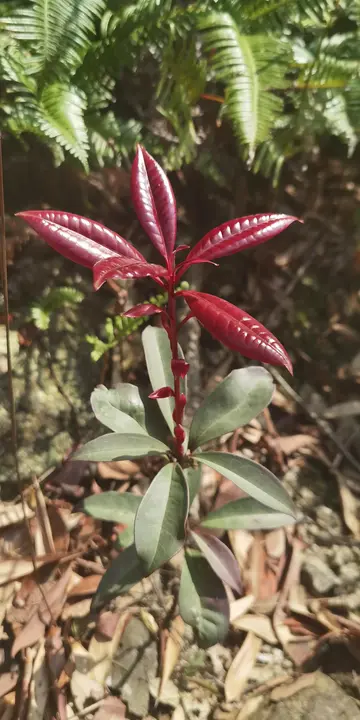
pixel 169 692
pixel 102 651
pixel 240 668
pixel 111 709
pixel 87 586
pixel 60 531
pixel 260 625
pixel 286 691
pixel 7 682
pixel 39 686
pixel 250 707
pixel 77 610
pixel 350 506
pixel 172 650
pixel 84 688
pixel 47 542
pixel 241 542
pixel 290 444
pixel 241 606
pixel 12 568
pixel 11 513
pixel 7 593
pixel 178 713
pixel 275 543
pixel 117 470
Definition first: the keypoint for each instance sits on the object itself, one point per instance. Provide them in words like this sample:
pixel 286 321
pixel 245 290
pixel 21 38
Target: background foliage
pixel 90 78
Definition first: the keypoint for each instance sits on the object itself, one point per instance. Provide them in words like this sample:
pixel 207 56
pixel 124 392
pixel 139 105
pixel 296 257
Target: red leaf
pixel 141 310
pixel 238 234
pixel 220 558
pixel 69 243
pixel 154 202
pixel 236 329
pixel 117 267
pixel 90 229
pixel 180 368
pixel 164 392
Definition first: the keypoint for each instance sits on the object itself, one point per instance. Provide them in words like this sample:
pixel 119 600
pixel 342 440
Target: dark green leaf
pixel 220 558
pixel 235 401
pixel 112 506
pixel 124 572
pixel 120 409
pixel 202 601
pixel 246 514
pixel 161 517
pixel 193 479
pixel 119 446
pixel 254 479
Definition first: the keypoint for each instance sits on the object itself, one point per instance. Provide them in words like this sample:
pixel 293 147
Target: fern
pixel 60 31
pixel 62 118
pixel 53 300
pixel 251 69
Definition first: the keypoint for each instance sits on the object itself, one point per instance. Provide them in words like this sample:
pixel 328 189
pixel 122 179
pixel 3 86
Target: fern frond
pixel 338 122
pixel 58 32
pixel 62 118
pixel 112 139
pixel 251 68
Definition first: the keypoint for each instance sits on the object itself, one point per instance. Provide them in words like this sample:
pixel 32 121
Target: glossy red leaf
pixel 154 202
pixel 85 227
pixel 117 267
pixel 143 310
pixel 161 393
pixel 236 329
pixel 69 243
pixel 238 234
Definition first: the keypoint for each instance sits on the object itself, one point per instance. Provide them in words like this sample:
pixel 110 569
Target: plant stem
pixel 179 409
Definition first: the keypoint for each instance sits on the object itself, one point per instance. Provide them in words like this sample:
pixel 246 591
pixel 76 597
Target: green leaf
pixel 125 537
pixel 161 517
pixel 158 362
pixel 120 409
pixel 240 397
pixel 124 572
pixel 202 601
pixel 62 118
pixel 193 479
pixel 254 479
pixel 112 506
pixel 246 514
pixel 120 446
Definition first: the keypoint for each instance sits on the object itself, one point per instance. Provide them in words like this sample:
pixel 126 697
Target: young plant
pixel 154 425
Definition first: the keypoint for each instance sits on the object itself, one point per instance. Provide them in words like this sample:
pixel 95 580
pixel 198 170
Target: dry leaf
pixel 240 668
pixel 169 693
pixel 241 542
pixel 102 651
pixel 12 568
pixel 178 713
pixel 250 707
pixel 241 606
pixel 39 686
pixel 260 625
pixel 286 691
pixel 172 650
pixel 350 506
pixel 77 610
pixel 275 543
pixel 117 470
pixel 111 709
pixel 47 542
pixel 7 682
pixel 87 586
pixel 83 688
pixel 11 513
pixel 290 444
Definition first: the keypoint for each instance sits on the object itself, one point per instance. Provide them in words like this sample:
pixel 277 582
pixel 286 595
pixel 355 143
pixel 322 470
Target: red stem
pixel 179 409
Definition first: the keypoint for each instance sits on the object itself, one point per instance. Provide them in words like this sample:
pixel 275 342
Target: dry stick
pixel 3 264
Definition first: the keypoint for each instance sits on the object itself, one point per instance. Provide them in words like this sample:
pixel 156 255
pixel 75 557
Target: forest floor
pixel 294 645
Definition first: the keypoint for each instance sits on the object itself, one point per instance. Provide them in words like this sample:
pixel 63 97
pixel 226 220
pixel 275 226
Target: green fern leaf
pixel 251 67
pixel 58 30
pixel 62 118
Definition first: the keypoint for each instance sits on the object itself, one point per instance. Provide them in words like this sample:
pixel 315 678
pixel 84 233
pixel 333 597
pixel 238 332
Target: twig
pixel 90 709
pixel 10 375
